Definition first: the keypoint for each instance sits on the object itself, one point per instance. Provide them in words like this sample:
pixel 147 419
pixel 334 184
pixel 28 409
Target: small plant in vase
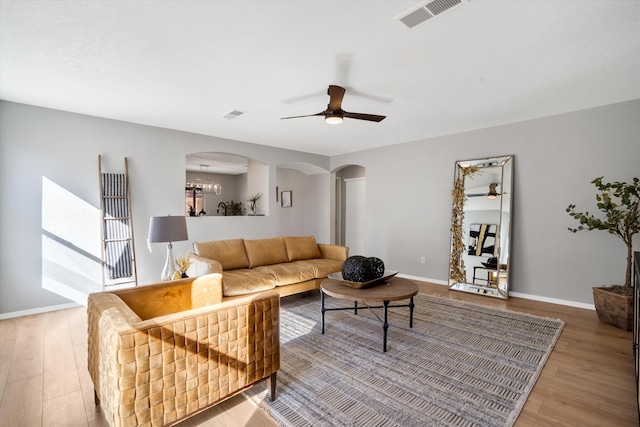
pixel 253 203
pixel 184 262
pixel 619 202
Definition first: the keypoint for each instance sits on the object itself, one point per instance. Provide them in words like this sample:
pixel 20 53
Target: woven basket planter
pixel 614 309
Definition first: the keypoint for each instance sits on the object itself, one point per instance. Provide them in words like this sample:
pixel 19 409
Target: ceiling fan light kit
pixel 333 119
pixel 493 190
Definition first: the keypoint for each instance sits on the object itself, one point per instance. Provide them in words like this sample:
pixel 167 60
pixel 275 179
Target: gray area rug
pixel 462 364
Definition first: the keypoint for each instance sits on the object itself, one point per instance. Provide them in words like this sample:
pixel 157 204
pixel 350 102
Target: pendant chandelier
pixel 203 185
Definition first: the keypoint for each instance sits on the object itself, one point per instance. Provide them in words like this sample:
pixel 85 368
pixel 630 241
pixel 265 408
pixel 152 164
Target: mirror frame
pixel 458 274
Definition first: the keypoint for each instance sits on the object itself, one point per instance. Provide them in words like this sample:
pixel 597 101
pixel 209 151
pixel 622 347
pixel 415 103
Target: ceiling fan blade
pixel 318 94
pixel 360 116
pixel 306 115
pixel 477 195
pixel 336 93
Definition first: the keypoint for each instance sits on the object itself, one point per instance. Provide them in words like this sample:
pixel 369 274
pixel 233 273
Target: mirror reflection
pixel 481 226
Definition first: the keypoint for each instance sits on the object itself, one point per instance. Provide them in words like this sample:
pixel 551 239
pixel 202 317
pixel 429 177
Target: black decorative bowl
pixel 388 274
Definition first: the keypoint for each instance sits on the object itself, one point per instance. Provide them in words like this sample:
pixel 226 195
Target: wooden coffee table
pixel 394 289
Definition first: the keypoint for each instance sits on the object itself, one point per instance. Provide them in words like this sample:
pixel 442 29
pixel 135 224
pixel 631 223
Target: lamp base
pixel 169 265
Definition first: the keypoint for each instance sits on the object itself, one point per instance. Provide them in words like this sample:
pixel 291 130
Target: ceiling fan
pixel 492 194
pixel 334 113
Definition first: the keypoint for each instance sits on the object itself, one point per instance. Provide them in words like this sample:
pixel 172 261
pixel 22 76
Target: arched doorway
pixel 350 214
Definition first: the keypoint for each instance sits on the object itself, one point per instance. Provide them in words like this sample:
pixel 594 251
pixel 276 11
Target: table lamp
pixel 167 229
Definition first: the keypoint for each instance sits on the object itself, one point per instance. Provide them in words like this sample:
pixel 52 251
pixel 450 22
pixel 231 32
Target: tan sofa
pixel 288 265
pixel 160 353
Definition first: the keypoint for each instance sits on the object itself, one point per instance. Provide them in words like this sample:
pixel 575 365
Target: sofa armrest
pixel 202 265
pixel 336 252
pixel 160 370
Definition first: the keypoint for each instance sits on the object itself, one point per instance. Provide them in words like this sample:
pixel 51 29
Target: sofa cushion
pixel 230 253
pixel 321 267
pixel 301 248
pixel 288 273
pixel 244 281
pixel 149 301
pixel 265 251
pixel 337 252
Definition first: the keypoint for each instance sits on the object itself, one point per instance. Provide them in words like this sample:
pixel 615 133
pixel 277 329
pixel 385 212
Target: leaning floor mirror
pixel 481 226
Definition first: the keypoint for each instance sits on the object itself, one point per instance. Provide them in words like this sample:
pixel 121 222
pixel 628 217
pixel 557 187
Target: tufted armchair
pixel 160 353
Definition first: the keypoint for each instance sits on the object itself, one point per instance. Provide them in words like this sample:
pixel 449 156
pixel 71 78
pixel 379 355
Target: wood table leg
pixel 272 386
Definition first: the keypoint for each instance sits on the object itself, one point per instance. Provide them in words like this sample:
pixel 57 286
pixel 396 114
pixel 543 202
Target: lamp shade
pixel 167 229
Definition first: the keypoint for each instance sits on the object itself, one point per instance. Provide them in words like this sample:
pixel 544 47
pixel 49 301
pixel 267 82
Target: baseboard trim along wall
pixel 513 294
pixel 406 276
pixel 553 300
pixel 38 310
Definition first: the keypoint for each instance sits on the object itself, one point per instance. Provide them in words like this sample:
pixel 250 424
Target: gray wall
pixel 309 211
pixel 408 197
pixel 556 158
pixel 61 149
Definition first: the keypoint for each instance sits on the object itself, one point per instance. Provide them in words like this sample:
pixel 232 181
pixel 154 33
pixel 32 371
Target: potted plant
pixel 253 203
pixel 234 208
pixel 619 202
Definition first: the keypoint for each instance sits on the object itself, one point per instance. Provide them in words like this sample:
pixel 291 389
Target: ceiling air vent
pixel 427 11
pixel 233 114
pixel 416 17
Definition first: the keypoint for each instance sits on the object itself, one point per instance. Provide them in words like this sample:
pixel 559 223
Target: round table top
pixel 393 289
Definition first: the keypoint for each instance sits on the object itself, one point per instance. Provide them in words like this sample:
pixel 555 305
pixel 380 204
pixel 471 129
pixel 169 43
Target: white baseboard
pixel 512 294
pixel 553 300
pixel 424 279
pixel 406 276
pixel 38 310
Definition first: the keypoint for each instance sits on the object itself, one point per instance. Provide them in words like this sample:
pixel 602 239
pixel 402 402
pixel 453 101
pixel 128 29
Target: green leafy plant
pixel 619 202
pixel 234 208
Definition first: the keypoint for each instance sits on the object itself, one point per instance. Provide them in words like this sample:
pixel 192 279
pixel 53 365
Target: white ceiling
pixel 223 163
pixel 185 64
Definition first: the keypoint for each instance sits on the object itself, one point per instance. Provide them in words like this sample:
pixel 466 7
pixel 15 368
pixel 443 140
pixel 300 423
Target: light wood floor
pixel 587 381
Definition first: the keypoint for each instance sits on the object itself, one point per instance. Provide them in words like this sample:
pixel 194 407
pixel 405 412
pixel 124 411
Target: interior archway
pixel 222 184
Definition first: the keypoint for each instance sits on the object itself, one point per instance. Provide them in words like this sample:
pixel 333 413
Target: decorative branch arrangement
pixel 184 262
pixel 457 271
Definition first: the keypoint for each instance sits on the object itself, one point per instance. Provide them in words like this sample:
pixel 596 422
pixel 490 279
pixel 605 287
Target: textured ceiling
pixel 185 64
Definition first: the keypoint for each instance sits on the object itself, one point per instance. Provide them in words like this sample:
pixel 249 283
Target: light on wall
pixel 167 229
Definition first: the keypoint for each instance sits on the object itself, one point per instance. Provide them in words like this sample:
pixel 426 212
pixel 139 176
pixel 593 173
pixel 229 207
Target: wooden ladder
pixel 118 246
